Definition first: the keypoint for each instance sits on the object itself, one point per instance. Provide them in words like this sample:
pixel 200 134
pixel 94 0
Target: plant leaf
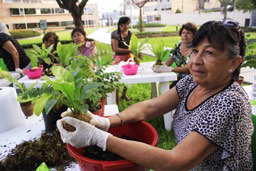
pixel 40 103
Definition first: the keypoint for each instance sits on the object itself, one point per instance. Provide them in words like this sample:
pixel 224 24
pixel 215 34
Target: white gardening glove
pixel 100 122
pixel 20 71
pixel 84 135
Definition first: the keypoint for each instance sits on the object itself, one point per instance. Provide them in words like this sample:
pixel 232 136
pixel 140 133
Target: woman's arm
pixel 147 109
pixel 115 47
pixel 186 155
pixel 10 48
pixel 182 69
pixel 168 61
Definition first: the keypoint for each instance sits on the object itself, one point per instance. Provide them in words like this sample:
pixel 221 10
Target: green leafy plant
pixel 160 53
pixel 136 47
pixel 42 53
pixel 66 53
pixel 24 94
pixel 250 57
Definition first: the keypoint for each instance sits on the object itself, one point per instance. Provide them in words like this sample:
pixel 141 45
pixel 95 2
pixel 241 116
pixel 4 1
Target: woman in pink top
pixel 88 48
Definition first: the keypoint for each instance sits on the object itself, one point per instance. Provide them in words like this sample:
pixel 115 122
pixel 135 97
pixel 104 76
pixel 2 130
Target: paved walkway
pixel 102 35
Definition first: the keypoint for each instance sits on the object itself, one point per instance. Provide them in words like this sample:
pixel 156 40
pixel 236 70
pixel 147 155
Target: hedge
pixel 26 46
pixel 248 29
pixel 150 25
pixel 156 34
pixel 24 33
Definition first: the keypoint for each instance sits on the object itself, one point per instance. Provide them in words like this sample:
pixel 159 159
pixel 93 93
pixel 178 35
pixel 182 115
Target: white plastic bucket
pixel 10 111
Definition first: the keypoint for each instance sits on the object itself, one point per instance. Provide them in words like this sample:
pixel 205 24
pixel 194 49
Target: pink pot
pixel 33 73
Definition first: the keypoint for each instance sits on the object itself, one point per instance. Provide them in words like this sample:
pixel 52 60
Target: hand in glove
pixel 84 135
pixel 100 122
pixel 20 71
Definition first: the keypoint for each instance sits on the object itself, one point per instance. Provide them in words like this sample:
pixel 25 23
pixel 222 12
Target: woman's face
pixel 124 27
pixel 78 38
pixel 209 66
pixel 186 36
pixel 50 41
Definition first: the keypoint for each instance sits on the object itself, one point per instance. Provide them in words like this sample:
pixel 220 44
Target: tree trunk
pixel 225 11
pixel 77 20
pixel 141 22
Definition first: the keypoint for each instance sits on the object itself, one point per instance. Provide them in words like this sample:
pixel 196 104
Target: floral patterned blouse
pixel 178 59
pixel 224 119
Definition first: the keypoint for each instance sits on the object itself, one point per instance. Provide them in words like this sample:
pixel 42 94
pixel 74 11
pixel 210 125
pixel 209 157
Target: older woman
pixel 87 48
pixel 180 54
pixel 212 122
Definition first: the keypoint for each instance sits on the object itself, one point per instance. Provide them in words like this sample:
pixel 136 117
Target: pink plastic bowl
pixel 130 69
pixel 33 73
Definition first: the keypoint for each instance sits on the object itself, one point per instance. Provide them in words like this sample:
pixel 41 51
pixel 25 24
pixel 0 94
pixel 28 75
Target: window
pixel 30 11
pixel 206 0
pixel 59 11
pixel 45 10
pixel 20 26
pixel 53 24
pixel 14 11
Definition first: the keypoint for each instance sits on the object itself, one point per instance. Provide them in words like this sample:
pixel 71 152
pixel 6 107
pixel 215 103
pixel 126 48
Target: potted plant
pixel 40 55
pixel 161 55
pixel 25 96
pixel 136 47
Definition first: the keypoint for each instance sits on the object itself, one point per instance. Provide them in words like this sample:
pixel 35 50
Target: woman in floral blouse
pixel 180 53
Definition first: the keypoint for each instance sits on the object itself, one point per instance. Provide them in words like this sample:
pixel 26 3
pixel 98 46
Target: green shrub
pixel 156 34
pixel 24 33
pixel 248 29
pixel 26 46
pixel 150 25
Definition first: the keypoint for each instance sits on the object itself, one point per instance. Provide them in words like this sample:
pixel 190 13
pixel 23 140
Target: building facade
pixel 154 9
pixel 27 14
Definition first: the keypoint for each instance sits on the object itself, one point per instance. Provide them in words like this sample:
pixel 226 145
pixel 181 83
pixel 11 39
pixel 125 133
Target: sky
pixel 107 5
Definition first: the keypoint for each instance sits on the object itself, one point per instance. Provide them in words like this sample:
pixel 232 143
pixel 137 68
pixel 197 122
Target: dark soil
pixel 28 155
pixel 96 153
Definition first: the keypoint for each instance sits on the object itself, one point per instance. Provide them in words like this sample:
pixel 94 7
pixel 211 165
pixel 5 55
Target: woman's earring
pixel 230 71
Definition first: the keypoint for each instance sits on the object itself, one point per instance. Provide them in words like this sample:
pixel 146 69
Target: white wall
pixel 200 18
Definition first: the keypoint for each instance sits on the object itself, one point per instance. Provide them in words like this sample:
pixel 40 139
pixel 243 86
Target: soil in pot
pixel 28 155
pixel 27 108
pixel 96 153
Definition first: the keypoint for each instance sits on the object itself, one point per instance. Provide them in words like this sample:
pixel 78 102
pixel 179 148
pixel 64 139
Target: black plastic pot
pixel 51 118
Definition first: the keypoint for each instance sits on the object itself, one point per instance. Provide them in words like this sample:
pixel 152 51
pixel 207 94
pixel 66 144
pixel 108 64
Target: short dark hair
pixel 77 29
pixel 188 26
pixel 223 35
pixel 55 37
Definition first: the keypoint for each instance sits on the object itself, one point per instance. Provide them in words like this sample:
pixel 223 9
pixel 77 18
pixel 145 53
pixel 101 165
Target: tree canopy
pixel 245 5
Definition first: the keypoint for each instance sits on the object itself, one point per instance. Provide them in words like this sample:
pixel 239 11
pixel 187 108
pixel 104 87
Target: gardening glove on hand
pixel 100 122
pixel 84 135
pixel 20 71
